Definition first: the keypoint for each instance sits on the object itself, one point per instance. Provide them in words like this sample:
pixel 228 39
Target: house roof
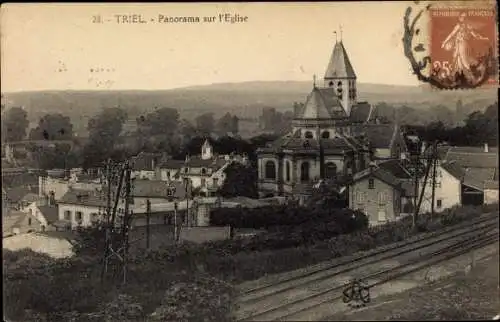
pixel 476 177
pixel 31 197
pixel 50 213
pixel 361 112
pixel 172 164
pixel 11 220
pixel 454 169
pixel 379 173
pixel 395 168
pixel 17 194
pixel 146 161
pixel 321 103
pixel 339 65
pixel 379 135
pixel 491 184
pixel 84 197
pixel 151 188
pixel 473 159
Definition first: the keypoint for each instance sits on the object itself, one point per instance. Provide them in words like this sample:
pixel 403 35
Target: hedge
pixel 275 215
pixel 242 260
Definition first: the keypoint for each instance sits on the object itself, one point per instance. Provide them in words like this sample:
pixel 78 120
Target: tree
pixel 158 130
pixel 205 123
pixel 53 127
pixel 240 180
pixel 57 156
pixel 14 124
pixel 104 130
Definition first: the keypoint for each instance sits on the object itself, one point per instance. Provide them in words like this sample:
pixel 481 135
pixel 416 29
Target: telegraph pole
pixel 434 161
pixel 126 220
pixel 148 214
pixel 415 182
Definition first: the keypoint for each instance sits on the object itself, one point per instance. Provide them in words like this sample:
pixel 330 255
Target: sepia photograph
pixel 250 161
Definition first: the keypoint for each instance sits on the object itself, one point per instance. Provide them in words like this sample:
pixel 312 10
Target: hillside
pixel 243 99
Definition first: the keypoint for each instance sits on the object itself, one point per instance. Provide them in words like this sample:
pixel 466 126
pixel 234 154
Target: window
pixel 371 183
pixel 29 221
pixel 330 170
pixel 203 171
pixel 330 84
pixel 168 174
pixel 287 170
pixel 270 170
pixel 216 182
pixel 67 215
pixel 203 182
pixel 308 135
pixel 186 170
pixel 382 198
pixel 78 216
pixel 439 203
pixel 304 171
pixel 325 135
pixel 94 217
pixel 360 196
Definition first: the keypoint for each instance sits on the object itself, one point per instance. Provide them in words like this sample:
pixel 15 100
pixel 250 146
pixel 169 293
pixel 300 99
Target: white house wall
pixel 85 210
pixel 448 190
pixel 490 196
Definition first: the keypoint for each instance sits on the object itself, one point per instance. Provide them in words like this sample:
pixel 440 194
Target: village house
pixel 84 207
pixel 144 165
pixel 333 136
pixel 16 222
pixel 204 173
pixel 382 191
pixel 19 197
pixel 475 172
pixel 45 211
pixel 59 184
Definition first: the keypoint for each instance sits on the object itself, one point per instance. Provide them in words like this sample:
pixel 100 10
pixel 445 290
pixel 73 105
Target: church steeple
pixel 341 77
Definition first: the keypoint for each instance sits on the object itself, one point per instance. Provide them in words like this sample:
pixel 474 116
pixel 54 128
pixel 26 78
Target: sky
pixel 58 47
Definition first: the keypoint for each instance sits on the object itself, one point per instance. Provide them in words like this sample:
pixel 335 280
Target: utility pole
pixel 148 214
pixel 126 220
pixel 434 161
pixel 416 168
pixel 175 221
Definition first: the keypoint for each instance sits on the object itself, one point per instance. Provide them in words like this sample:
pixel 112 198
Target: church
pixel 333 135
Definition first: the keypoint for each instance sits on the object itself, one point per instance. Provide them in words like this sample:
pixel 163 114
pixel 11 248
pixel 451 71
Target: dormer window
pixel 308 135
pixel 371 183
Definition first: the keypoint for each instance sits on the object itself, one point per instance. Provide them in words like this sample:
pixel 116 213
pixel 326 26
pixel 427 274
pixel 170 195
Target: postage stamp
pixel 463 47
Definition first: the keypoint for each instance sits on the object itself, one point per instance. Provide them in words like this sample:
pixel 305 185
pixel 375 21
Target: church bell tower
pixel 340 76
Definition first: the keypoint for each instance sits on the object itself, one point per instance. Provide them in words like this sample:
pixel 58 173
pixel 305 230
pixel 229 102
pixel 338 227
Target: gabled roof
pixel 146 161
pixel 85 198
pixel 469 158
pixel 395 168
pixel 172 164
pixel 379 135
pixel 361 112
pixel 379 173
pixel 476 177
pixel 50 213
pixel 17 194
pixel 339 65
pixel 150 188
pixel 321 103
pixel 454 169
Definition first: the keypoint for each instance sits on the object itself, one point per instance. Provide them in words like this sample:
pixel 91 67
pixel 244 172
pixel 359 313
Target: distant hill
pixel 243 99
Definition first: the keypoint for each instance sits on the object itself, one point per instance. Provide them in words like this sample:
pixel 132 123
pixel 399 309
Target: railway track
pixel 293 296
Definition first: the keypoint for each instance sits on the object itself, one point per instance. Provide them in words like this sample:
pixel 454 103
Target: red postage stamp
pixel 463 47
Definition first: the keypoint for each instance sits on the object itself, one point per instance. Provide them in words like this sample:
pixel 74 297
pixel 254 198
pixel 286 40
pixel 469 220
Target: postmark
pixel 463 46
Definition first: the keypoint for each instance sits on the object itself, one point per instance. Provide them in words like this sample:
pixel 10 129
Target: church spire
pixel 339 65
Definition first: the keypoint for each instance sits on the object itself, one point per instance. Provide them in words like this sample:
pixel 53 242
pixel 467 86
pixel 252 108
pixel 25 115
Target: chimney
pixel 486 149
pixel 52 199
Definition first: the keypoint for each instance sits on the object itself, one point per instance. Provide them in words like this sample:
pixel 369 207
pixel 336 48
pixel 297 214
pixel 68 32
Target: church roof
pixel 361 112
pixel 339 65
pixel 338 143
pixel 321 103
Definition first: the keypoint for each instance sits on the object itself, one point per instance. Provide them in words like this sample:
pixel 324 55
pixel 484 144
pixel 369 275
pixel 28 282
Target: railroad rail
pixel 294 295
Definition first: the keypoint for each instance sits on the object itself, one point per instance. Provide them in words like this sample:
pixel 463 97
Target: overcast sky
pixel 50 46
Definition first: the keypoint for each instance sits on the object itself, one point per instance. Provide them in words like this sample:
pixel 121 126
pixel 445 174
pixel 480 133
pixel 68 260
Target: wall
pixel 143 174
pixel 490 196
pixel 369 202
pixel 48 184
pixel 448 190
pixel 86 213
pixel 204 234
pixel 25 226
